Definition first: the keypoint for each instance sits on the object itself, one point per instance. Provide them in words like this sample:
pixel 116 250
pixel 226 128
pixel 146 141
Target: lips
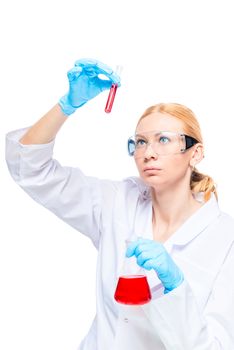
pixel 151 168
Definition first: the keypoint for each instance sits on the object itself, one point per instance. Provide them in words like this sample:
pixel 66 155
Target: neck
pixel 171 208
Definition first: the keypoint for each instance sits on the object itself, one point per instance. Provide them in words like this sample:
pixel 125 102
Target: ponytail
pixel 203 183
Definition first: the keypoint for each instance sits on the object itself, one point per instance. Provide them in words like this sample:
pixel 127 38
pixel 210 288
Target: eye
pixel 164 139
pixel 140 143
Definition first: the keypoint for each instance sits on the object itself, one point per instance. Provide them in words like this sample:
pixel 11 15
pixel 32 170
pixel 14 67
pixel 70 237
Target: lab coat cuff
pixel 25 158
pixel 16 135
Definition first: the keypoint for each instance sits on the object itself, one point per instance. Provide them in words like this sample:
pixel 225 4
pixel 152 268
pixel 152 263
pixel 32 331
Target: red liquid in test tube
pixel 111 98
pixel 113 89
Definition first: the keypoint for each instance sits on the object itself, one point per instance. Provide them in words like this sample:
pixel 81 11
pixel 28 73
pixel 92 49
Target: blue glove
pixel 85 83
pixel 152 255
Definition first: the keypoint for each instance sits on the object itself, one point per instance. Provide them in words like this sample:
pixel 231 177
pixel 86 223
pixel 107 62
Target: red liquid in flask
pixel 132 290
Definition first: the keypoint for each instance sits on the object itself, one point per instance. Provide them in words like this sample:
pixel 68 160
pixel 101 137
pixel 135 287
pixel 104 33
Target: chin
pixel 152 180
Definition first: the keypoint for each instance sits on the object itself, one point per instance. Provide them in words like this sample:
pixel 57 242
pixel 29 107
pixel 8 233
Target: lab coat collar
pixel 194 225
pixel 145 190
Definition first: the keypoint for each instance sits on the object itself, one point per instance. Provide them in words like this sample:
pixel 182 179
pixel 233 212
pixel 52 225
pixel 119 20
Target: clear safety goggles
pixel 162 142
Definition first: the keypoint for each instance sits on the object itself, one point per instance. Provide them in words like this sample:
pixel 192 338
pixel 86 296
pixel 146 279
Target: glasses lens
pixel 162 143
pixel 167 143
pixel 131 146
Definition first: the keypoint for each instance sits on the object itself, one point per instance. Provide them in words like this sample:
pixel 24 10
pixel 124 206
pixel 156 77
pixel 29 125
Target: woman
pixel 186 244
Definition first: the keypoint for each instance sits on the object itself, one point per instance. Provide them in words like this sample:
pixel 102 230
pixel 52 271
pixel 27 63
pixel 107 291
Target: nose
pixel 150 152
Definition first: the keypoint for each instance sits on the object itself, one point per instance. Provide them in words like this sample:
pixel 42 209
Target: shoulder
pixel 226 221
pixel 223 229
pixel 221 223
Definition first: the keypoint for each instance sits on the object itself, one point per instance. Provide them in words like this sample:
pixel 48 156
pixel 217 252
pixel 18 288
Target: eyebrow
pixel 160 132
pixel 139 135
pixel 154 134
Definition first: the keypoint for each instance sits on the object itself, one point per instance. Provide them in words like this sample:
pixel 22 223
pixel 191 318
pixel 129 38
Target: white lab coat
pixel 197 315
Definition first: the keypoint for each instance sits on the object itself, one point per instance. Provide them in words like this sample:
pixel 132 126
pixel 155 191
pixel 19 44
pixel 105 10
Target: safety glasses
pixel 162 142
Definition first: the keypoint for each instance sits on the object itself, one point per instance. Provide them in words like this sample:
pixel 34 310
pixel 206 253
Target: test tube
pixel 113 89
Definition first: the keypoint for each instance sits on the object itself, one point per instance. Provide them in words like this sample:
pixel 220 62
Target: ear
pixel 197 154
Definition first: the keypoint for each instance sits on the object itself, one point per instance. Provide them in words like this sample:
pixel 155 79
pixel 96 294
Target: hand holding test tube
pixel 85 83
pixel 112 93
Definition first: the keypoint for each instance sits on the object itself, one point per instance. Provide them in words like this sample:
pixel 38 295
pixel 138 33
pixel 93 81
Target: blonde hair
pixel 199 182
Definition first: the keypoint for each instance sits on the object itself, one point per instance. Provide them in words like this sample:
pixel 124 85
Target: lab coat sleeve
pixel 75 198
pixel 182 326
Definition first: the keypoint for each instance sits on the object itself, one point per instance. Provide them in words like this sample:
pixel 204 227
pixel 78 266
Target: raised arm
pixel 66 191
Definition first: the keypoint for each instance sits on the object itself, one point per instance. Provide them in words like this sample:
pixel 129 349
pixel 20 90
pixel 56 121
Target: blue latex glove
pixel 152 255
pixel 85 84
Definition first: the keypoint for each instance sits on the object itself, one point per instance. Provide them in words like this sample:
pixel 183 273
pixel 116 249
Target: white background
pixel 172 51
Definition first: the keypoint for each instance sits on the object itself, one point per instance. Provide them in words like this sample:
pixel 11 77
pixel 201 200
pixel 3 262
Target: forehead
pixel 161 122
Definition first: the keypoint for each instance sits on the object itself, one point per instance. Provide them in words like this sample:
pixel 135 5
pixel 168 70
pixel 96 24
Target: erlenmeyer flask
pixel 132 287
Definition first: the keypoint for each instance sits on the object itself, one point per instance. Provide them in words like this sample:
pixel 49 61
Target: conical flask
pixel 132 286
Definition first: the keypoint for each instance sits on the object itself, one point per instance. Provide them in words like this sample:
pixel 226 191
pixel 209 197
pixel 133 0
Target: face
pixel 161 171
